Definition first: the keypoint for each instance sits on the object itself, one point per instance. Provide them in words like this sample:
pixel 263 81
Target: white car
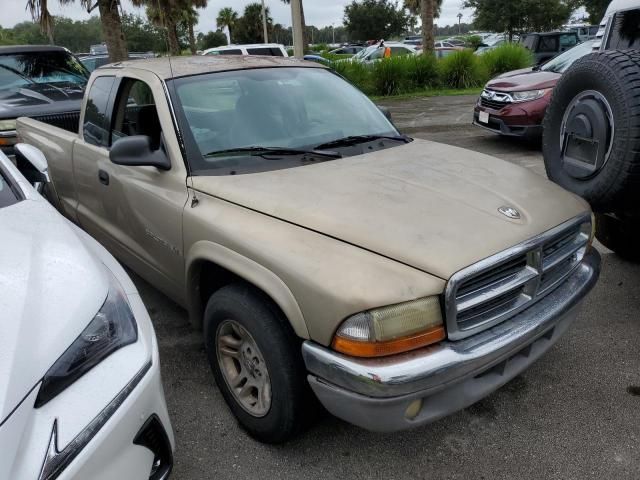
pixel 263 49
pixel 80 389
pixel 377 52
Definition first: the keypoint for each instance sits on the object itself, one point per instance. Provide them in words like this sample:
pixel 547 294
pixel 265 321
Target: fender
pixel 247 269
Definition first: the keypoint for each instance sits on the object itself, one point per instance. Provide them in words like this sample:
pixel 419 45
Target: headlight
pixel 393 329
pixel 528 95
pixel 113 327
pixel 7 125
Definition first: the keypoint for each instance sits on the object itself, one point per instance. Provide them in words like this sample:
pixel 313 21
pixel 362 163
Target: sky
pixel 317 12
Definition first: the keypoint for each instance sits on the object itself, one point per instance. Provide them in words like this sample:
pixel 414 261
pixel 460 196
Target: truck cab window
pixel 95 129
pixel 135 113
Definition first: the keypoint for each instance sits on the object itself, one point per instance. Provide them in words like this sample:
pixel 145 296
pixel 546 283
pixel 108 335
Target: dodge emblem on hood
pixel 509 212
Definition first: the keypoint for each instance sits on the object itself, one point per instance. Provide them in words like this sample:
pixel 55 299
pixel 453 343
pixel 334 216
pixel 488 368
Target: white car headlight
pixel 528 95
pixel 113 327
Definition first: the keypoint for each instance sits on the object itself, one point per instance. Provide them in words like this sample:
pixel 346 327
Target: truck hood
pixel 428 205
pixel 51 287
pixel 524 79
pixel 40 99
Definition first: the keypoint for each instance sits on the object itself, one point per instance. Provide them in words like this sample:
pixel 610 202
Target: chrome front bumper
pixel 449 376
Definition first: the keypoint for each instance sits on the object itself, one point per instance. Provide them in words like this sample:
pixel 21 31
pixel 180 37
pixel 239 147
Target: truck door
pixel 136 212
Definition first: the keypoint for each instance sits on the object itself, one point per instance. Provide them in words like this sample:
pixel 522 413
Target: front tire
pixel 620 234
pixel 257 364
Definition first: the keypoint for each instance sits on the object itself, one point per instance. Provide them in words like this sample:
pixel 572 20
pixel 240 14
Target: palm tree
pixel 169 14
pixel 305 34
pixel 190 18
pixel 428 10
pixel 414 7
pixel 227 17
pixel 109 19
pixel 427 14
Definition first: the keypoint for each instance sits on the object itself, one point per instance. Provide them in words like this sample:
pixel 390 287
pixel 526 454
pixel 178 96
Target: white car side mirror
pixel 33 165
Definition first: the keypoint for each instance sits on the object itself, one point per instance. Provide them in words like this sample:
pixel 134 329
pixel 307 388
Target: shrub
pixel 421 71
pixel 462 69
pixel 357 73
pixel 389 76
pixel 506 57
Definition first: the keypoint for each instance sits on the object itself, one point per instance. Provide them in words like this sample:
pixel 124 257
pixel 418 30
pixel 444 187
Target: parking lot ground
pixel 570 416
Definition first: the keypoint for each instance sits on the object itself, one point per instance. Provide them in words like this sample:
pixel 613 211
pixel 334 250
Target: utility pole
pixel 296 24
pixel 333 30
pixel 264 23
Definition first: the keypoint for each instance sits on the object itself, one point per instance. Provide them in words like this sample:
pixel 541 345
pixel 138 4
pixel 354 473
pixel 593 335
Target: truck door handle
pixel 104 177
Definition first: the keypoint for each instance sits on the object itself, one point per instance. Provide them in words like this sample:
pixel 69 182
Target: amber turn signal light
pixel 357 348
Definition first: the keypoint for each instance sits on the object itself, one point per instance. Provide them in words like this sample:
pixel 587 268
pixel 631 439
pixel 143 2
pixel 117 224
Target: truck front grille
pixel 67 121
pixel 497 288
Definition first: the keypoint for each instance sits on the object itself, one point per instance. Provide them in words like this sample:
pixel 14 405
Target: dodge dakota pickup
pixel 325 256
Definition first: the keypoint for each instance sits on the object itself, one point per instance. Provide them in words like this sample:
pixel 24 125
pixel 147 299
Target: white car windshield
pixel 283 108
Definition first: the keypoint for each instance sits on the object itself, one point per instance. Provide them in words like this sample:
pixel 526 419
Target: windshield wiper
pixel 356 139
pixel 267 151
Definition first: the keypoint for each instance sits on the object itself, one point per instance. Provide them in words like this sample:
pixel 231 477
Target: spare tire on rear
pixel 591 139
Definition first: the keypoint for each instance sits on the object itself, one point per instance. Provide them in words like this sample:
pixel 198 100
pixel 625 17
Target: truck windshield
pixel 57 68
pixel 292 109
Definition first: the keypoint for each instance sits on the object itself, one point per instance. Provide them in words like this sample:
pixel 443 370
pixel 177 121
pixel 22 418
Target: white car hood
pixel 51 287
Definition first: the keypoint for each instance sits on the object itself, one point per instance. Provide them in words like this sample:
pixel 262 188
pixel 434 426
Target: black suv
pixel 545 46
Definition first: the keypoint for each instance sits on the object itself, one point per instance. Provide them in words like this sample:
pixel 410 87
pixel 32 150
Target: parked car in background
pixel 413 40
pixel 91 62
pixel 515 103
pixel 318 59
pixel 324 255
pixel 545 46
pixel 379 51
pixel 584 32
pixel 441 52
pixel 455 42
pixel 347 50
pixel 81 395
pixel 98 49
pixel 39 81
pixel 262 49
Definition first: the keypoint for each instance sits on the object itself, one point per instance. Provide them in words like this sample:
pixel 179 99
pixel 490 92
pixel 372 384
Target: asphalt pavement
pixel 574 415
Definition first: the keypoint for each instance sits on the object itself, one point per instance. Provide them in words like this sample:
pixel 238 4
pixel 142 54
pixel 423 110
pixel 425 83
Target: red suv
pixel 514 103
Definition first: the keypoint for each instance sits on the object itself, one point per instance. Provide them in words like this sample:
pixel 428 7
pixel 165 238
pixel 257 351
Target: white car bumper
pixel 112 423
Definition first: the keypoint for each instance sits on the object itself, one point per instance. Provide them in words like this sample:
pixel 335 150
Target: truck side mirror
pixel 33 165
pixel 385 111
pixel 136 151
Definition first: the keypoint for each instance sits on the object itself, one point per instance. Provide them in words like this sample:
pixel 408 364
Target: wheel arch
pixel 211 266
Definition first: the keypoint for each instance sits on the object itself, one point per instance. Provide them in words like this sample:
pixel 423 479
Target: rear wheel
pixel 257 363
pixel 591 133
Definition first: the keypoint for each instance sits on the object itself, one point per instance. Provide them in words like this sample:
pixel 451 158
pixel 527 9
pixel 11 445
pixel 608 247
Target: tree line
pixel 169 24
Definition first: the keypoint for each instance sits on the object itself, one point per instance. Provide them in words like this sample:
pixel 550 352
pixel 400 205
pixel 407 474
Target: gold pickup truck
pixel 325 256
